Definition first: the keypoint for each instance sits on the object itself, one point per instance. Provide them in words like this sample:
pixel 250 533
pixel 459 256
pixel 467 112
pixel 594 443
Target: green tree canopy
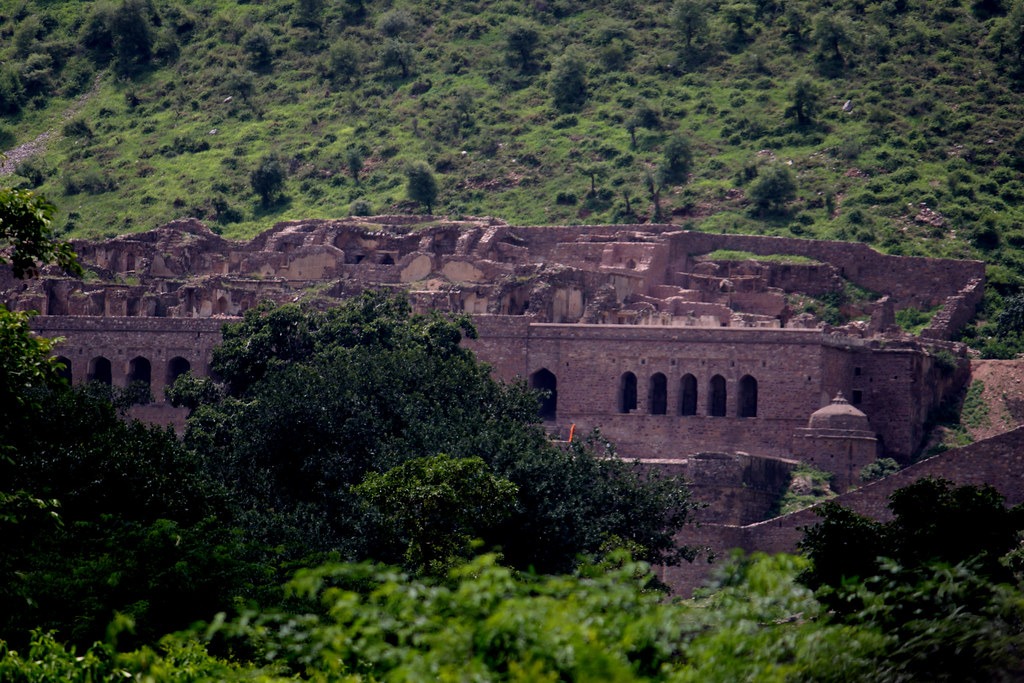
pixel 773 188
pixel 438 506
pixel 421 186
pixel 933 522
pixel 267 179
pixel 568 82
pixel 313 402
pixel 26 228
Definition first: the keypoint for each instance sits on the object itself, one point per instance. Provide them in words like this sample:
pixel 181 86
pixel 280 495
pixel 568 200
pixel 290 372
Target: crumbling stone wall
pixel 998 462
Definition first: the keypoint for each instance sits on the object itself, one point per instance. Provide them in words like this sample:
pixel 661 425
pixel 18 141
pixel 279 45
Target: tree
pixel 131 35
pixel 420 184
pixel 1008 36
pixel 805 102
pixel 396 53
pixel 343 61
pixel 568 83
pixel 773 188
pixel 142 531
pixel 312 402
pixel 677 159
pixel 593 171
pixel 26 228
pixel 1011 318
pixel 690 17
pixel 354 161
pixel 438 506
pixel 933 522
pixel 831 33
pixel 520 44
pixel 267 179
pixel 739 15
pixel 307 13
pixel 258 49
pixel 936 581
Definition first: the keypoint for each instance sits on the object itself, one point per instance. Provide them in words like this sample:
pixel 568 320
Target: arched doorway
pixel 99 371
pixel 627 392
pixel 544 380
pixel 140 371
pixel 657 394
pixel 688 395
pixel 747 397
pixel 177 367
pixel 716 396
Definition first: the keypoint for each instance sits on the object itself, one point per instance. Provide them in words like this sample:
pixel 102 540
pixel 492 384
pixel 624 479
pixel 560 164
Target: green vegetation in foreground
pixel 924 597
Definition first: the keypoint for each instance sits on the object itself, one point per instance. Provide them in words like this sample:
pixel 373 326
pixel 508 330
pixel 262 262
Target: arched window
pixel 222 305
pixel 748 397
pixel 627 392
pixel 545 380
pixel 716 396
pixel 177 367
pixel 688 395
pixel 140 370
pixel 65 372
pixel 99 371
pixel 657 394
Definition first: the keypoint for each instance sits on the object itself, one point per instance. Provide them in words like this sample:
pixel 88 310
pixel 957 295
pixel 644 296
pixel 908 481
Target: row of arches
pixel 716 397
pixel 657 395
pixel 139 371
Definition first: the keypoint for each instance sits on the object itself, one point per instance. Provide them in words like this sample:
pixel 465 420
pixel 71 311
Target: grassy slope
pixel 935 118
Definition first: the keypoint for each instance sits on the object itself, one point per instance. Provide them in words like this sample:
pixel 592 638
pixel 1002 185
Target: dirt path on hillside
pixel 13 157
pixel 1002 398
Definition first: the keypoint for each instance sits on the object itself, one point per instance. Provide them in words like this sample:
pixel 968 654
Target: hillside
pixel 893 123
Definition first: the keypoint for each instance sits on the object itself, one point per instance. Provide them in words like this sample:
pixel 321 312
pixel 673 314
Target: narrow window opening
pixel 627 392
pixel 657 399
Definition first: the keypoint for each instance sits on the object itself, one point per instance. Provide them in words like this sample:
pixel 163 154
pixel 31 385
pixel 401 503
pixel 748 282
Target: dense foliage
pixel 362 622
pixel 313 409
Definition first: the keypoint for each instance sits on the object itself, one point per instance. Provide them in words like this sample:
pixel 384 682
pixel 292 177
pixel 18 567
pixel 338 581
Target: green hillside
pixel 896 123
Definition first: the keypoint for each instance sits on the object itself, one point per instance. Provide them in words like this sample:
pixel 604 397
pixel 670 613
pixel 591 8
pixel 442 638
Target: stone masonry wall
pixel 998 461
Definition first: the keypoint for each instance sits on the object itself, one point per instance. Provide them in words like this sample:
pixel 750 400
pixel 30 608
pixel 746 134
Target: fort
pixel 728 358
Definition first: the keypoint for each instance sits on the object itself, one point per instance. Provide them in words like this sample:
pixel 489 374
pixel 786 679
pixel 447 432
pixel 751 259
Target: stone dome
pixel 839 414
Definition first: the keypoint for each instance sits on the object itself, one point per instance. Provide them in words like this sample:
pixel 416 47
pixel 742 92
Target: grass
pixel 926 162
pixel 975 413
pixel 808 486
pixel 733 255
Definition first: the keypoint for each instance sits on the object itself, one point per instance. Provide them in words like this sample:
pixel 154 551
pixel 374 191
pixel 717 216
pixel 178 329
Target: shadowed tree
pixel 677 159
pixel 354 161
pixel 568 83
pixel 831 34
pixel 421 186
pixel 690 17
pixel 267 179
pixel 520 44
pixel 773 188
pixel 396 53
pixel 805 102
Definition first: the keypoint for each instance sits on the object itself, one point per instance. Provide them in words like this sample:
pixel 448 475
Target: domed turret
pixel 839 414
pixel 837 439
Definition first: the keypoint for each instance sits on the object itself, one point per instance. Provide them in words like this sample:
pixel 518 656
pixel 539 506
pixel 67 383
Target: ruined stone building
pixel 706 354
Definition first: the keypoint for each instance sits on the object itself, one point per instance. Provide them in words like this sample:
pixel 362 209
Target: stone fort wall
pixel 998 462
